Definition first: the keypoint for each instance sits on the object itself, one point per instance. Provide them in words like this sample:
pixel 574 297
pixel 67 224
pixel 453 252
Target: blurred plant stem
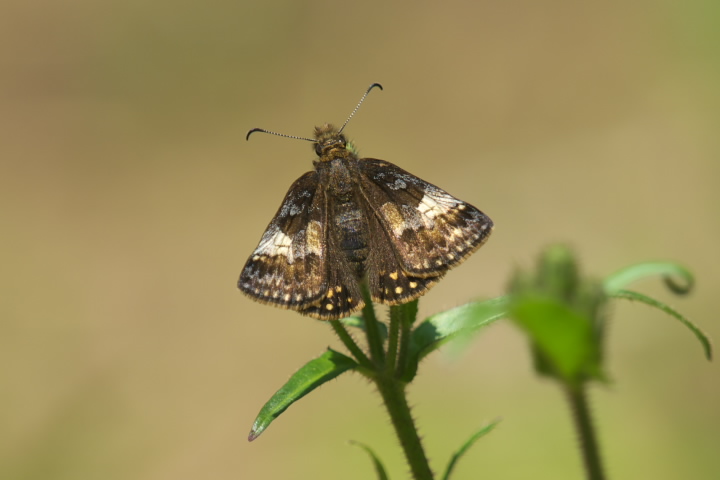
pixel 563 313
pixel 586 432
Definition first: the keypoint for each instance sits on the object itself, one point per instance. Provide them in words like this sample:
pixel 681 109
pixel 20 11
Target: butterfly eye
pixel 318 149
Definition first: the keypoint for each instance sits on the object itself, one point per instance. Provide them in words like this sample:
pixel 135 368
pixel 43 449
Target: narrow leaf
pixel 704 340
pixel 466 446
pixel 313 374
pixel 671 272
pixel 379 468
pixel 438 328
pixel 434 331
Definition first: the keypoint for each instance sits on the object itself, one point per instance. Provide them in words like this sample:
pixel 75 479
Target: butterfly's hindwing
pixel 429 229
pixel 388 281
pixel 288 267
pixel 342 296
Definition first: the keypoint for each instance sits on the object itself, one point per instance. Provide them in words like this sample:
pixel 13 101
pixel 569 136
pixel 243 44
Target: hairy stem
pixel 372 329
pixel 403 317
pixel 588 437
pixel 392 349
pixel 393 394
pixel 350 344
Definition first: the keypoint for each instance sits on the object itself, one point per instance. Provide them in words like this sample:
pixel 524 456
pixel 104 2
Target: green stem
pixel 393 394
pixel 372 329
pixel 588 437
pixel 350 344
pixel 404 316
pixel 392 350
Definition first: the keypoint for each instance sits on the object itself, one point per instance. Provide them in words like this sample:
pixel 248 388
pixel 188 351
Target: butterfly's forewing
pixel 288 267
pixel 429 230
pixel 297 265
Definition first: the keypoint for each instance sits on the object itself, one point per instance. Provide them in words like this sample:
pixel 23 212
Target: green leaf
pixel 359 322
pixel 466 446
pixel 562 336
pixel 381 473
pixel 436 330
pixel 668 270
pixel 313 374
pixel 631 295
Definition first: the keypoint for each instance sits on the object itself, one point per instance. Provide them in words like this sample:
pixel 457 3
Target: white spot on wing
pixel 273 243
pixel 434 204
pixel 399 183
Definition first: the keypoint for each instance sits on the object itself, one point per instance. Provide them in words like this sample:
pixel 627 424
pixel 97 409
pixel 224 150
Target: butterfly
pixel 357 219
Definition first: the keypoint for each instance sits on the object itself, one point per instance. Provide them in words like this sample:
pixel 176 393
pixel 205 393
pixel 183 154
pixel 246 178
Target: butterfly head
pixel 330 144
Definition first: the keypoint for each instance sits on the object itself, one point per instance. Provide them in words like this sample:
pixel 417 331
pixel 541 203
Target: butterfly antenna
pixel 247 137
pixel 360 103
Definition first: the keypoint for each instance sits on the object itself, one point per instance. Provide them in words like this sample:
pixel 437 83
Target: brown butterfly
pixel 358 219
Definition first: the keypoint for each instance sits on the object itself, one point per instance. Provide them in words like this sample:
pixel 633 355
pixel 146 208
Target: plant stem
pixel 350 344
pixel 392 350
pixel 393 394
pixel 403 316
pixel 390 387
pixel 372 329
pixel 588 439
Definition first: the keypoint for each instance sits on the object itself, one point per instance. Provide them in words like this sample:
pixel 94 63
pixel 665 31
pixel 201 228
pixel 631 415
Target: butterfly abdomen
pixel 351 231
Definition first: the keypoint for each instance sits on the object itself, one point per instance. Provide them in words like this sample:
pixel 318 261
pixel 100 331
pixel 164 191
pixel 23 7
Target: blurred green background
pixel 131 200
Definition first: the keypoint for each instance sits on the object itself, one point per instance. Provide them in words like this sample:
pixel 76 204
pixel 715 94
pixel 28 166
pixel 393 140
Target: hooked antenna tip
pixel 247 137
